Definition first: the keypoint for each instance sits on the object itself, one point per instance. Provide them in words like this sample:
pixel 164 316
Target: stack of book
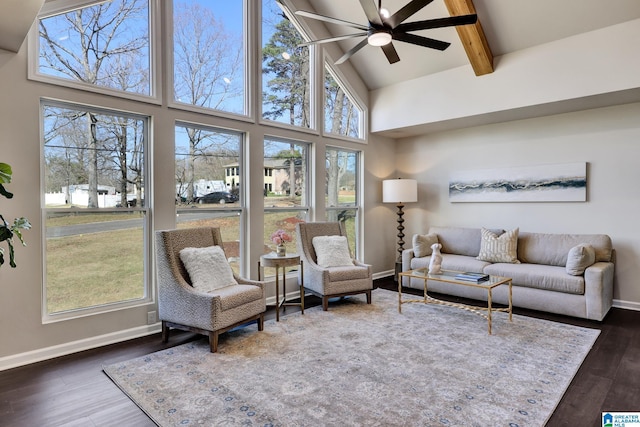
pixel 472 277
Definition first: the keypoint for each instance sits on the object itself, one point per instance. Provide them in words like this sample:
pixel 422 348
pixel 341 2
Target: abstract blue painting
pixel 565 182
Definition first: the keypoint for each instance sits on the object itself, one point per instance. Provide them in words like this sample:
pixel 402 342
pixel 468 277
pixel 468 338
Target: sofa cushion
pixel 458 240
pixel 452 262
pixel 332 251
pixel 552 249
pixel 422 244
pixel 207 267
pixel 538 276
pixel 503 248
pixel 579 258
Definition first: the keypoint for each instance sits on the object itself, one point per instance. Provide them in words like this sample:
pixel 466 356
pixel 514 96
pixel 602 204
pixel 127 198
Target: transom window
pixel 102 45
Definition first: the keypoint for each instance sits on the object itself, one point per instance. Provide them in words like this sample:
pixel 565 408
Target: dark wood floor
pixel 73 390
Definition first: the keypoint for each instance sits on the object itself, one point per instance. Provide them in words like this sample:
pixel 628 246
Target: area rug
pixel 364 365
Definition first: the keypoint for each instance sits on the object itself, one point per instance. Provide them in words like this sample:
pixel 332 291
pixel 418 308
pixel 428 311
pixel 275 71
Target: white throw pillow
pixel 332 251
pixel 422 244
pixel 503 248
pixel 580 257
pixel 208 268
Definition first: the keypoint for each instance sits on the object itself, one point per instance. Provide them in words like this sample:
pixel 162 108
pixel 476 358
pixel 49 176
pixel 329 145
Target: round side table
pixel 278 262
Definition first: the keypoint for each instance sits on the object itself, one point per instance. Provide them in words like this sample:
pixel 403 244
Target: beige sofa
pixel 540 279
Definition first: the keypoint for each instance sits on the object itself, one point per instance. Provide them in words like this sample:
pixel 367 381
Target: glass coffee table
pixel 450 277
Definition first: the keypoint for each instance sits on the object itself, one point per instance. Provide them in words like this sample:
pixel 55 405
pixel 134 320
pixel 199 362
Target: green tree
pixel 286 66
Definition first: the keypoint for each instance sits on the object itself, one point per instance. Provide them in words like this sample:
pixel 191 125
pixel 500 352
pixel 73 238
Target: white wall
pixel 606 138
pixel 597 68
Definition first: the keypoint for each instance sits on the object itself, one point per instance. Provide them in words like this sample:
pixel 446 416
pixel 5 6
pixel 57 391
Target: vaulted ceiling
pixel 508 25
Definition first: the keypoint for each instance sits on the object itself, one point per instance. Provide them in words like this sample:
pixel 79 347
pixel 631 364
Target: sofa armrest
pixel 598 289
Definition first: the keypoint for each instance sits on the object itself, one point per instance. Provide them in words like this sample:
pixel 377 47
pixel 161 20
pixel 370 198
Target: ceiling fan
pixel 383 28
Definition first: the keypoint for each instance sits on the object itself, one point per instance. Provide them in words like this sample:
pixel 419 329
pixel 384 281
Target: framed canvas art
pixel 565 182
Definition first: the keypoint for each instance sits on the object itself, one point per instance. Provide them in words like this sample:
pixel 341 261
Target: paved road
pixel 100 227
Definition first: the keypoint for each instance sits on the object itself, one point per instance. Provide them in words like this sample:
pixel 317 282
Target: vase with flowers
pixel 280 237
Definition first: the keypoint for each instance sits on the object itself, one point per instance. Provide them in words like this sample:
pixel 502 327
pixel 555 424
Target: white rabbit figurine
pixel 436 259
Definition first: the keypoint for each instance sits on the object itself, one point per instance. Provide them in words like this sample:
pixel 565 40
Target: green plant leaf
pixel 5 173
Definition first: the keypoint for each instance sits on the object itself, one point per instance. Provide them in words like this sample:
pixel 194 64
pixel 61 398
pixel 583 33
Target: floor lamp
pixel 399 191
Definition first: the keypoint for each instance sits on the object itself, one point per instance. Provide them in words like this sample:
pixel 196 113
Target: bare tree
pixel 99 35
pixel 207 66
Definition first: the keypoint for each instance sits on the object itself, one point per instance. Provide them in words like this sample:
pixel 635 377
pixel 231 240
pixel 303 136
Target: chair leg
pixel 368 297
pixel 325 303
pixel 165 332
pixel 213 341
pixel 261 322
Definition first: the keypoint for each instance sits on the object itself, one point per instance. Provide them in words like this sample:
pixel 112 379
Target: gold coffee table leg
pixel 399 294
pixel 489 309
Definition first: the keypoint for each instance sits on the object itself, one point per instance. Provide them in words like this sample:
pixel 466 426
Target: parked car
pixel 221 197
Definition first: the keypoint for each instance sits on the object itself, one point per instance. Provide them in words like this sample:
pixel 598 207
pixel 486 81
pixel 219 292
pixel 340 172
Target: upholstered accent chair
pixel 330 282
pixel 211 313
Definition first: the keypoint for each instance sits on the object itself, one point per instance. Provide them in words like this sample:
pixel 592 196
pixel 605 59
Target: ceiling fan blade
pixel 421 41
pixel 391 53
pixel 438 23
pixel 371 10
pixel 353 50
pixel 331 20
pixel 409 9
pixel 333 39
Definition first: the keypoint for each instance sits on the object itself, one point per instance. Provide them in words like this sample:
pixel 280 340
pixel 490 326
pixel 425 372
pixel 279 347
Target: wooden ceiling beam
pixel 472 37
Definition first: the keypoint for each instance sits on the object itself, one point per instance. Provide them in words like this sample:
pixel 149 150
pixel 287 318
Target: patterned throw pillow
pixel 332 251
pixel 503 248
pixel 580 257
pixel 208 268
pixel 422 244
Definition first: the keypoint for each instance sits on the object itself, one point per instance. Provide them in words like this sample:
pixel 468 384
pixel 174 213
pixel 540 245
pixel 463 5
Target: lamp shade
pixel 399 191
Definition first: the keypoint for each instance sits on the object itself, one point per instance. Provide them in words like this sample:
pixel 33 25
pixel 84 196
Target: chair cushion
pixel 237 295
pixel 208 268
pixel 338 274
pixel 579 258
pixel 332 251
pixel 503 248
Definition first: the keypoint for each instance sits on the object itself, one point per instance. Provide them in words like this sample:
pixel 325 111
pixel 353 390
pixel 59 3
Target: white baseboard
pixel 39 355
pixel 627 305
pixel 382 274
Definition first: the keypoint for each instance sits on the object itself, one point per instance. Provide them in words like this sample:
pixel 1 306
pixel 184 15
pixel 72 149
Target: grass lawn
pixel 91 269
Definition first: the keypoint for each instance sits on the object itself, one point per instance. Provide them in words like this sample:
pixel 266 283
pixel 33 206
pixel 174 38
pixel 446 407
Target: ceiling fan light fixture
pixel 379 38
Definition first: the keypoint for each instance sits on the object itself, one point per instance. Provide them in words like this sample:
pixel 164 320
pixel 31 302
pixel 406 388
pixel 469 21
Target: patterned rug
pixel 364 365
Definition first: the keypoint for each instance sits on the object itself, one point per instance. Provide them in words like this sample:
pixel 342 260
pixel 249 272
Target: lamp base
pixel 397 272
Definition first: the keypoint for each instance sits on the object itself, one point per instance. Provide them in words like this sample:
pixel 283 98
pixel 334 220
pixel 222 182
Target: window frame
pixel 155 53
pixel 146 210
pixel 248 115
pixel 358 244
pixel 240 210
pixel 304 32
pixel 363 125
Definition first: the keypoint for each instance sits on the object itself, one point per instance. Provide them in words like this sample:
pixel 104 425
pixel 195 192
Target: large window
pixel 208 176
pixel 286 192
pixel 112 98
pixel 101 45
pixel 342 200
pixel 209 54
pixel 286 78
pixel 95 207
